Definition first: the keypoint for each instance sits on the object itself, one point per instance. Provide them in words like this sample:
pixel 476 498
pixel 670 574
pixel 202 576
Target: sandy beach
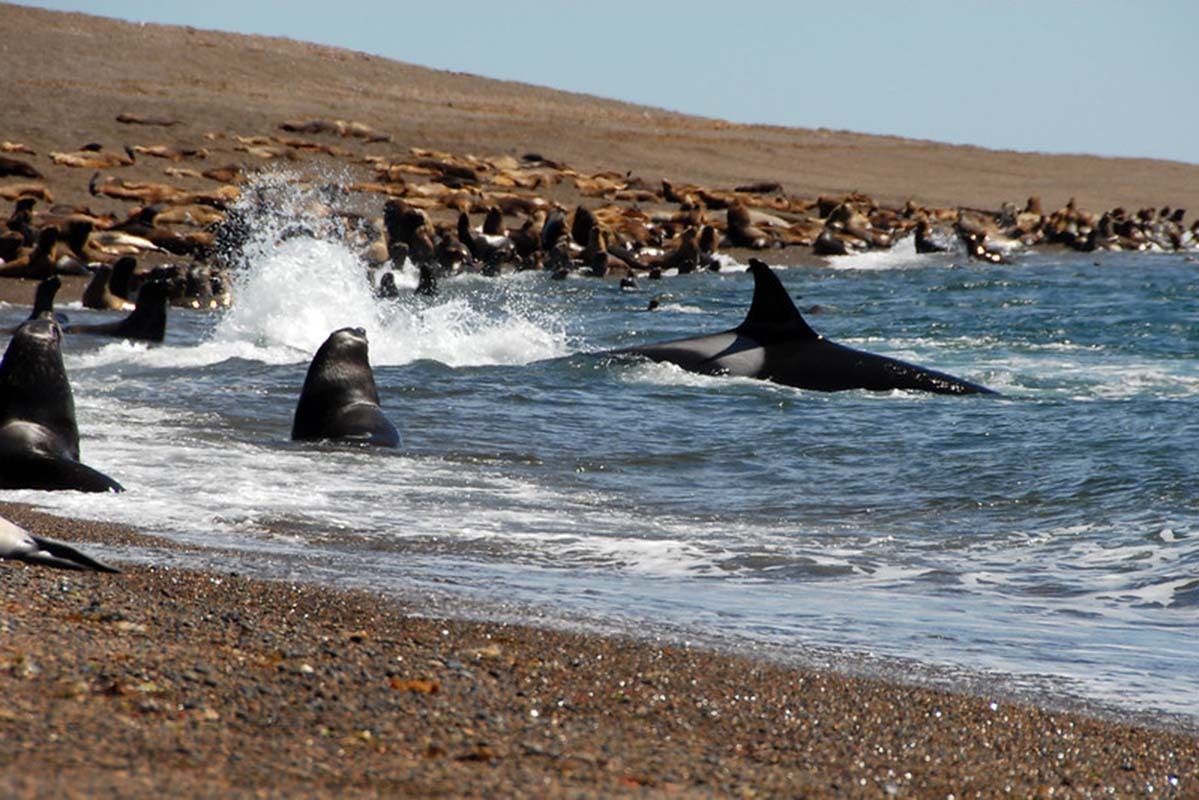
pixel 163 681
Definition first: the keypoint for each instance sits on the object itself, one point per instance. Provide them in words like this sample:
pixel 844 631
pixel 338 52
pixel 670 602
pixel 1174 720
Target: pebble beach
pixel 174 682
pixel 167 680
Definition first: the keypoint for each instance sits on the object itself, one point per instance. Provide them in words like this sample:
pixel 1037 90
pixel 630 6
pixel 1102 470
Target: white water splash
pixel 901 254
pixel 301 279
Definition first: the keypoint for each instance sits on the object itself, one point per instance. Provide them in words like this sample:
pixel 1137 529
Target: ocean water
pixel 1042 543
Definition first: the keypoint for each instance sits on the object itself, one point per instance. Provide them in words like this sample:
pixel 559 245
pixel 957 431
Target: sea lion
pixel 17 167
pixel 43 299
pixel 742 232
pixel 39 441
pixel 581 226
pixel 925 241
pixel 122 271
pixel 978 248
pixel 43 303
pixel 11 243
pixel 834 241
pixel 387 287
pixel 339 399
pixel 493 224
pixel 487 249
pixel 18 544
pixel 98 295
pixel 21 220
pixel 147 321
pixel 37 263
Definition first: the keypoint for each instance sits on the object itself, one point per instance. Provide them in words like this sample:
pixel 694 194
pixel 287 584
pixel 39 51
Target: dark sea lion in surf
pixel 387 287
pixel 39 440
pixel 339 399
pixel 43 303
pixel 774 343
pixel 925 241
pixel 146 322
pixel 427 283
pixel 122 271
pixel 18 544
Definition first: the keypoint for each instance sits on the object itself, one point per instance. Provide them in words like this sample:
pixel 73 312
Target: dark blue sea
pixel 1041 544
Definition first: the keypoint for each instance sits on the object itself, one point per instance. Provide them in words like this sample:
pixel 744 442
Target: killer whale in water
pixel 774 343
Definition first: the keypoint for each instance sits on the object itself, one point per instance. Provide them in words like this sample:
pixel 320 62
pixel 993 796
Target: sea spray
pixel 301 278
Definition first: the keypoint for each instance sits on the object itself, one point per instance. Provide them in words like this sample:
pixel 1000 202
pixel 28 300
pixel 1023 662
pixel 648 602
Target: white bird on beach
pixel 21 545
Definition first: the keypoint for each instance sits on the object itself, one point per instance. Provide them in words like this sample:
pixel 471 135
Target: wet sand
pixel 172 682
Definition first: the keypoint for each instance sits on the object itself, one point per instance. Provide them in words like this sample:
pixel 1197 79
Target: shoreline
pixel 194 682
pixel 238 679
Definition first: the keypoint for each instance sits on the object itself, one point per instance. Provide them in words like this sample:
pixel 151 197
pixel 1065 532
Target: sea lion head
pixel 43 298
pixel 340 373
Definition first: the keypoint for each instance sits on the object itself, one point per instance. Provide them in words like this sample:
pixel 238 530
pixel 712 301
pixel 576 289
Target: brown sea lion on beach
pixel 36 263
pixel 98 295
pixel 129 118
pixel 21 219
pixel 16 191
pixel 77 238
pixel 742 232
pixel 833 241
pixel 15 167
pixel 89 158
pixel 171 152
pixel 685 258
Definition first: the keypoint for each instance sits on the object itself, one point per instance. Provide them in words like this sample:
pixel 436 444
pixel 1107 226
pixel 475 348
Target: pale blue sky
pixel 1105 77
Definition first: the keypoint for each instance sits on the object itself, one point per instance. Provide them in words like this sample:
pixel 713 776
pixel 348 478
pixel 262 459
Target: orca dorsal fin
pixel 772 310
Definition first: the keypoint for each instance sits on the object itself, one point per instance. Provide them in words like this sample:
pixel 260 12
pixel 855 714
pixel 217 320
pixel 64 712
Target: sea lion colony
pixel 442 213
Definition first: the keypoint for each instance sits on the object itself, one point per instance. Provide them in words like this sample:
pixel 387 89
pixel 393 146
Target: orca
pixel 774 343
